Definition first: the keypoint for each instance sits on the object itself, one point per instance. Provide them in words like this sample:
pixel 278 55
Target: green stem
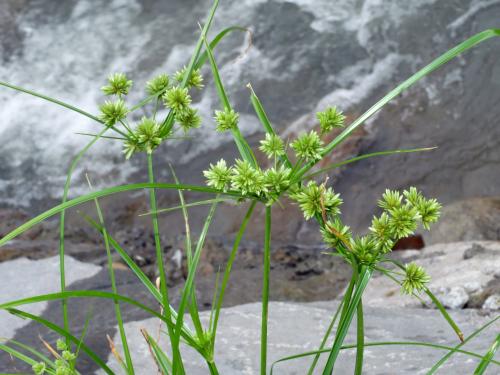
pixel 265 292
pixel 62 272
pixel 213 368
pixel 161 265
pixel 360 342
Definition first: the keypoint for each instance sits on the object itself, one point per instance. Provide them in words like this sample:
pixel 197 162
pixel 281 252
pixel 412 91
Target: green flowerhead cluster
pixel 308 146
pixel 188 119
pixel 195 80
pixel 226 120
pixel 148 134
pixel 63 365
pixel 415 279
pixel 39 368
pixel 113 112
pixel 118 84
pixel 158 84
pixel 247 179
pixel 335 233
pixel 218 176
pixel 315 199
pixel 177 99
pixel 272 146
pixel 329 119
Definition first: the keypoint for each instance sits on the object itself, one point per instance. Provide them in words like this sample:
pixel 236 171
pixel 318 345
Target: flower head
pixel 130 147
pixel 415 279
pixel 188 119
pixel 157 85
pixel 391 199
pixel 382 233
pixel 113 112
pixel 403 221
pixel 272 146
pixel 177 99
pixel 277 179
pixel 246 178
pixel 61 345
pixel 308 146
pixel 195 80
pixel 314 198
pixel 330 118
pixel 68 356
pixel 226 120
pixel 148 134
pixel 39 368
pixel 335 233
pixel 118 84
pixel 218 176
pixel 365 248
pixel 429 210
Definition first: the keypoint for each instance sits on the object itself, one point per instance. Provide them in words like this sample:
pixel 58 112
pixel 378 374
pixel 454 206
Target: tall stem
pixel 360 339
pixel 265 292
pixel 161 266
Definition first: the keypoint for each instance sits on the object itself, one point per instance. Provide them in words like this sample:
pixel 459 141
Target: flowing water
pixel 305 54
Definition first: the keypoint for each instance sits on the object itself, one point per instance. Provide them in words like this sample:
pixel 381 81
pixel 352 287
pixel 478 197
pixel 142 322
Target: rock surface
pixel 297 328
pixel 463 274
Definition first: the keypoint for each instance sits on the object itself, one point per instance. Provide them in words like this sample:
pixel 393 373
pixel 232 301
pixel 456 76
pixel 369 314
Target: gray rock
pixel 297 328
pixel 452 298
pixel 492 302
pixel 26 278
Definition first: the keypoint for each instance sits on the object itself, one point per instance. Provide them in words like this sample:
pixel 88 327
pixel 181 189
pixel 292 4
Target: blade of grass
pixel 194 204
pixel 360 335
pixel 94 294
pixel 104 192
pixel 62 271
pixel 265 292
pixel 381 343
pixel 118 313
pixel 161 359
pixel 366 156
pixel 437 303
pixel 264 120
pixel 364 278
pixel 483 365
pixel 65 334
pixel 193 307
pixel 444 58
pixel 188 286
pixel 455 349
pixel 227 271
pixel 31 350
pixel 177 359
pixel 348 293
pixel 242 145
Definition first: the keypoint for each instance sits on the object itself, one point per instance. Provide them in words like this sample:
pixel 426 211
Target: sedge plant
pixel 290 172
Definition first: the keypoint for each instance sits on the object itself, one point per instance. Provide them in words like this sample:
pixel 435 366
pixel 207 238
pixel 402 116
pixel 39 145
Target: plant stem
pixel 161 267
pixel 265 292
pixel 360 339
pixel 213 368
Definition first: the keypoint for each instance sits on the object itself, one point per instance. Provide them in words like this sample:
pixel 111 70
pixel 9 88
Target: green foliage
pixel 402 214
pixel 113 112
pixel 329 119
pixel 226 120
pixel 415 279
pixel 158 84
pixel 118 84
pixel 308 146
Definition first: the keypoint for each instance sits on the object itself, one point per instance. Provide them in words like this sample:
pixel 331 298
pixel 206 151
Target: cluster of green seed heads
pixel 330 119
pixel 148 133
pixel 64 363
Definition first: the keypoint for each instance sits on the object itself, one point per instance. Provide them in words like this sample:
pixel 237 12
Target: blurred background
pixel 302 56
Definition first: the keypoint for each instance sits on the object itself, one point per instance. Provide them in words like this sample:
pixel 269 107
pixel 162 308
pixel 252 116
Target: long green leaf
pixel 456 348
pixel 483 365
pixel 104 192
pixel 161 359
pixel 227 272
pixel 382 343
pixel 444 58
pixel 360 335
pixel 266 270
pixel 364 278
pixel 366 156
pixel 65 334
